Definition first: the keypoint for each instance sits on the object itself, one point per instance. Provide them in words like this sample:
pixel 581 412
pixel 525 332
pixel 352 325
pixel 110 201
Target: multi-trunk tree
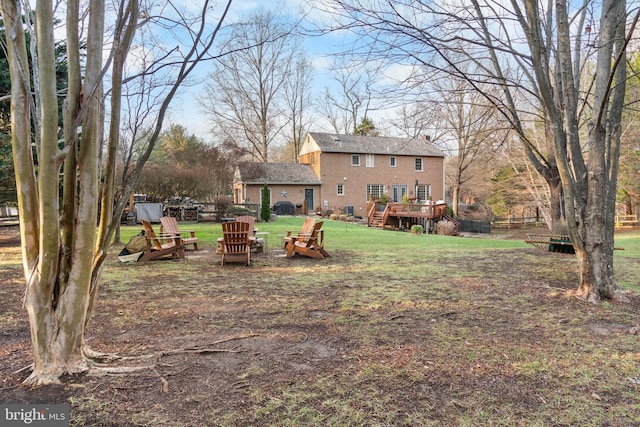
pixel 554 64
pixel 62 250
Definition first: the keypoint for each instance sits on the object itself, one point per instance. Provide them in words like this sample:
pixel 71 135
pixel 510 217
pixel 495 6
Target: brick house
pixel 286 181
pixel 341 172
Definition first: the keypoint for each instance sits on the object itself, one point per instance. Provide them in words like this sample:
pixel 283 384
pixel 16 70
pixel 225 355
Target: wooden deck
pixel 402 215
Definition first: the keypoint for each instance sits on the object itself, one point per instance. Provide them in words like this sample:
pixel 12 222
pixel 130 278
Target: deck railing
pixel 414 210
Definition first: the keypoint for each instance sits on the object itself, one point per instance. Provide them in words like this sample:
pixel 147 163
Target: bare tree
pixel 417 120
pixel 299 100
pixel 136 125
pixel 472 127
pixel 247 89
pixel 457 119
pixel 539 56
pixel 629 182
pixel 353 99
pixel 63 254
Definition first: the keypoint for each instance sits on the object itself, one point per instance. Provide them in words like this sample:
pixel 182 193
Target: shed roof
pixel 275 173
pixel 361 144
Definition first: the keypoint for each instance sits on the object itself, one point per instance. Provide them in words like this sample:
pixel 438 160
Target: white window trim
pixel 381 187
pixel 421 164
pixel 353 156
pixel 338 190
pixel 425 193
pixel 393 161
pixel 369 161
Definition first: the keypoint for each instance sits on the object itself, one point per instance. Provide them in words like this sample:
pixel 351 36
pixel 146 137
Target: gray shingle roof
pixel 275 173
pixel 359 144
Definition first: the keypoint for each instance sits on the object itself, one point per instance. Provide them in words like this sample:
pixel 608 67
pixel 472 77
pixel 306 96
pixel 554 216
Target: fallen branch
pixel 23 369
pixel 100 371
pixel 197 351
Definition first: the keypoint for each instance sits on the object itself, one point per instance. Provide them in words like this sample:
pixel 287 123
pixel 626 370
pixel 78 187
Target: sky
pixel 319 49
pixel 185 109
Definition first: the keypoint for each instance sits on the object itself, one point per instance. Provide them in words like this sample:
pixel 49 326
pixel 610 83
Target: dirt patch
pixel 9 236
pixel 300 342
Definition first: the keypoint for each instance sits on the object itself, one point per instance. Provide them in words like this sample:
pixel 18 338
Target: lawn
pixel 391 330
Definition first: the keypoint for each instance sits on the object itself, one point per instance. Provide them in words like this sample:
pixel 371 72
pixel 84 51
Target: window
pixel 340 189
pixel 392 161
pixel 313 159
pixel 423 191
pixel 375 190
pixel 419 164
pixel 355 160
pixel 369 161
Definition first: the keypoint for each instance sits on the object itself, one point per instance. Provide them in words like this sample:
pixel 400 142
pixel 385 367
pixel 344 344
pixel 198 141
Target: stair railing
pixel 371 210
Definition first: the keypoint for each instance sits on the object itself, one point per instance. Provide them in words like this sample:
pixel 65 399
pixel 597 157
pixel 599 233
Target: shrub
pixel 234 210
pixel 221 203
pixel 326 213
pixel 333 216
pixel 417 229
pixel 446 228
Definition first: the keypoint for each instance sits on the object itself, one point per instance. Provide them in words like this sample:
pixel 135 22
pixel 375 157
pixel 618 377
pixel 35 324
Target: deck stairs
pixel 377 220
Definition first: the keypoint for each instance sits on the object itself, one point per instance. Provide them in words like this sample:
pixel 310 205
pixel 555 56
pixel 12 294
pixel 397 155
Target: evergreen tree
pixel 366 127
pixel 265 210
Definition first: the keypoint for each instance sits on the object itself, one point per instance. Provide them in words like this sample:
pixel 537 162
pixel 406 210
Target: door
pixel 308 196
pixel 397 191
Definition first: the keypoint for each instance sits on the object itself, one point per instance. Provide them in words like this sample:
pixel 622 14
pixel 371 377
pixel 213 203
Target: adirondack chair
pixel 309 245
pixel 236 241
pixel 307 228
pixel 174 248
pixel 251 220
pixel 170 226
pixel 257 243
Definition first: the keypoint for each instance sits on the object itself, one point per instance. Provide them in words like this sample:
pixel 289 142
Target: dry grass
pixel 393 329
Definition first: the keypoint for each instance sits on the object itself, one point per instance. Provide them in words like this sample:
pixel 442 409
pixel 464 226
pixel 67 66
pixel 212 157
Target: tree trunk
pixel 55 336
pixel 558 225
pixel 595 240
pixel 58 271
pixel 455 195
pixel 61 258
pixel 122 43
pixel 596 269
pixel 595 231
